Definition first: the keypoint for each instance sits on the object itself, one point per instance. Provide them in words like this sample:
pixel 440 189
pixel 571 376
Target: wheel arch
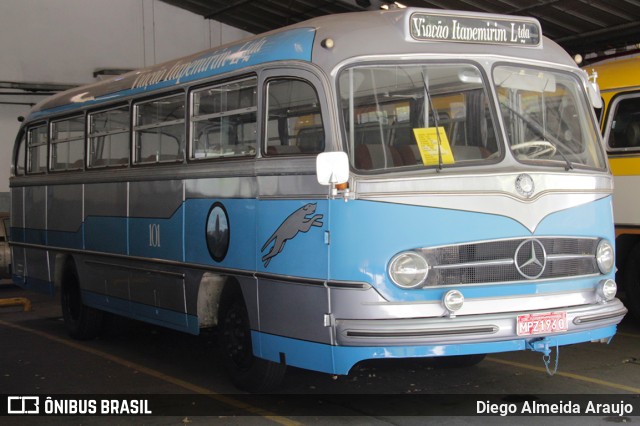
pixel 213 287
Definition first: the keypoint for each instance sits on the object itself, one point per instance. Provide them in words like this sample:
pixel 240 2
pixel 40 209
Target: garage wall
pixel 65 41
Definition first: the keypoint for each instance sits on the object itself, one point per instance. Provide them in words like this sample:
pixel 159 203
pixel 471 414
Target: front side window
pixel 624 125
pixel 417 116
pixel 223 120
pixel 109 138
pixel 37 149
pixel 67 144
pixel 159 132
pixel 547 118
pixel 294 121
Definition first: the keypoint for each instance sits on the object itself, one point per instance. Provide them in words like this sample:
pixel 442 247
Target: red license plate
pixel 548 322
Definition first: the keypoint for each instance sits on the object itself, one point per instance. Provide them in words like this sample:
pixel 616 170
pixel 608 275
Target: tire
pixel 82 322
pixel 458 361
pixel 247 372
pixel 631 282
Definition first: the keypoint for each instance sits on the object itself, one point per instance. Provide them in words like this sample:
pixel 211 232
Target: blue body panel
pixel 369 234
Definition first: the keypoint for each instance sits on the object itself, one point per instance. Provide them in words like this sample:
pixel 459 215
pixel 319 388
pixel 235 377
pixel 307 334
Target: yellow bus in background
pixel 619 81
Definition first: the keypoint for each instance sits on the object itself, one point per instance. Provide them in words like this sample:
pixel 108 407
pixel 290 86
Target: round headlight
pixel 408 269
pixel 607 290
pixel 604 256
pixel 453 300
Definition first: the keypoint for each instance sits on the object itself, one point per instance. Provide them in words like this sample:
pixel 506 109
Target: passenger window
pixel 223 120
pixel 294 123
pixel 37 149
pixel 624 134
pixel 109 138
pixel 67 144
pixel 159 130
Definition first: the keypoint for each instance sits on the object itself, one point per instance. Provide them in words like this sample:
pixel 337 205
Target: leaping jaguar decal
pixel 298 221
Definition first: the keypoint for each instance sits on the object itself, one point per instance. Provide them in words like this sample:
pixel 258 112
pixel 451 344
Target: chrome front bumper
pixel 469 328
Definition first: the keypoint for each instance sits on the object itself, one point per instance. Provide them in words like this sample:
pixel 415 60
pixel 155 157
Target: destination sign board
pixel 467 29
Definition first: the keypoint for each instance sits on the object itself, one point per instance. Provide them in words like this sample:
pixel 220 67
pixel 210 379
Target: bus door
pixel 292 208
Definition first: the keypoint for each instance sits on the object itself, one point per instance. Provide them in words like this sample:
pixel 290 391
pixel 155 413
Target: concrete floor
pixel 138 360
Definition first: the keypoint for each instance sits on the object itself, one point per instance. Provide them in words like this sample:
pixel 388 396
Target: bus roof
pixel 617 73
pixel 394 32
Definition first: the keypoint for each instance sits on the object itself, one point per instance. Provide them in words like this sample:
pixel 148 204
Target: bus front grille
pixel 511 260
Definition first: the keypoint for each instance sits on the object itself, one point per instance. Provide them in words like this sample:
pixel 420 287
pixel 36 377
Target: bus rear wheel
pixel 82 322
pixel 247 372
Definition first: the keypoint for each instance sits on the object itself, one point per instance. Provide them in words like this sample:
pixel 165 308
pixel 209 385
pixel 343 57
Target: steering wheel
pixel 535 149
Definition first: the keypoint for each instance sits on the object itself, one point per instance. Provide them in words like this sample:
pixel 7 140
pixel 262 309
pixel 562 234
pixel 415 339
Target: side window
pixel 624 131
pixel 67 144
pixel 19 160
pixel 223 120
pixel 159 133
pixel 109 138
pixel 294 123
pixel 37 149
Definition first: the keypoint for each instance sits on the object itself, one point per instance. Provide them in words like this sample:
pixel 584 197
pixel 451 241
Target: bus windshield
pixel 417 115
pixel 547 118
pixel 438 115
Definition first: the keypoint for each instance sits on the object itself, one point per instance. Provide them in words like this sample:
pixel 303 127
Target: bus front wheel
pixel 82 322
pixel 247 372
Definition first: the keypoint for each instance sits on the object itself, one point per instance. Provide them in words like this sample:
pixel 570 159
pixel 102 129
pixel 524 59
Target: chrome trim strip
pixel 348 285
pixel 522 238
pixel 554 257
pixel 491 329
pixel 599 317
pixel 500 262
pixel 134 268
pixel 290 279
pixel 497 262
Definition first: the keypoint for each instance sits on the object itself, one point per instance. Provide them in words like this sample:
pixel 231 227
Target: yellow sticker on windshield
pixel 433 144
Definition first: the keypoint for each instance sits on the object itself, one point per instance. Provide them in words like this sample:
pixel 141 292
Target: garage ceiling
pixel 580 26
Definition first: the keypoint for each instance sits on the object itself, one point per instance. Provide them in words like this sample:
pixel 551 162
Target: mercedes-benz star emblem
pixel 525 185
pixel 530 259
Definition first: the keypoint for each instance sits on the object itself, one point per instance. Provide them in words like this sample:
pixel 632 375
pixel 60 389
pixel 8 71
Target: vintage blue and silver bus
pixel 402 183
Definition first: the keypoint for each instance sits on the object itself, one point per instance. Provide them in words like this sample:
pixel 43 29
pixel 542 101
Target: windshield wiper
pixel 435 121
pixel 537 127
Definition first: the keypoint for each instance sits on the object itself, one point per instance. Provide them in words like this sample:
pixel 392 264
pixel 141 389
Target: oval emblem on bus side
pixel 218 232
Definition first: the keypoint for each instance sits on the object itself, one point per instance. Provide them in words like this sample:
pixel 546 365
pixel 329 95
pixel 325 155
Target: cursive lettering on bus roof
pixel 216 60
